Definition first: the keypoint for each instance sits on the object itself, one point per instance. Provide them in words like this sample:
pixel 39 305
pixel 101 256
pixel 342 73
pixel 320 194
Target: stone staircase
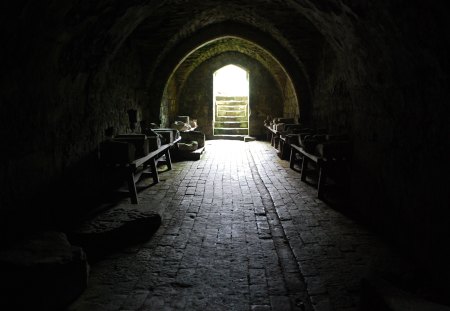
pixel 231 116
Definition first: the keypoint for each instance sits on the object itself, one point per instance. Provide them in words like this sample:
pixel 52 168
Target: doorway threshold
pixel 229 137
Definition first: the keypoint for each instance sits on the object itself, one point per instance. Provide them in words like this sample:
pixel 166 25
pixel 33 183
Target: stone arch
pixel 202 39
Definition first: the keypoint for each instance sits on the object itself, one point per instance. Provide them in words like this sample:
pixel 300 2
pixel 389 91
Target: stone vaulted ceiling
pixel 157 28
pixel 182 34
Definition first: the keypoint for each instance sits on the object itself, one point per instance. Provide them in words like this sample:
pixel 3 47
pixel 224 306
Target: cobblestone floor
pixel 240 231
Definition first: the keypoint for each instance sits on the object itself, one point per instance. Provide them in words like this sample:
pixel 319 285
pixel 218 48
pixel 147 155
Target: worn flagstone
pixel 239 231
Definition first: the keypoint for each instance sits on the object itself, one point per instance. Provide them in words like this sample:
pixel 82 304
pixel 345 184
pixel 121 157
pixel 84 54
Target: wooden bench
pixel 149 166
pixel 268 132
pixel 150 160
pixel 284 145
pixel 323 164
pixel 274 136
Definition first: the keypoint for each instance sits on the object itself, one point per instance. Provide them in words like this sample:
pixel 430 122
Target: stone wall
pixel 291 101
pixel 54 113
pixel 377 69
pixel 169 105
pixel 383 80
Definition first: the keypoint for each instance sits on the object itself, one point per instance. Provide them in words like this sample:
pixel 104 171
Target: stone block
pixel 184 119
pixel 42 272
pixel 197 136
pixel 115 229
pixel 168 134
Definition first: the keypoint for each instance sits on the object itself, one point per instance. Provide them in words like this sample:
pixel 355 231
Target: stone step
pixel 232 107
pixel 191 155
pixel 231 103
pixel 231 119
pixel 231 131
pixel 228 113
pixel 231 124
pixel 231 98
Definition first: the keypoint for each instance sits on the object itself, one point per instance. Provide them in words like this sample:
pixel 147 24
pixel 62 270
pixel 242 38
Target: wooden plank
pixel 156 153
pixel 153 154
pixel 311 156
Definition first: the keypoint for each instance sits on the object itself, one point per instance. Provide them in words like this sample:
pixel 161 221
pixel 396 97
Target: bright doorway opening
pixel 231 101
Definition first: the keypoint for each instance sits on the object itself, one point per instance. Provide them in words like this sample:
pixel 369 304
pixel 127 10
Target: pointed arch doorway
pixel 231 101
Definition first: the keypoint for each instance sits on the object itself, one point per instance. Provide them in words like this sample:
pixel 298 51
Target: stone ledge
pixel 188 155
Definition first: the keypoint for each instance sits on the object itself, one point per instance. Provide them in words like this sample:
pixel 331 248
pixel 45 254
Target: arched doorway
pixel 231 101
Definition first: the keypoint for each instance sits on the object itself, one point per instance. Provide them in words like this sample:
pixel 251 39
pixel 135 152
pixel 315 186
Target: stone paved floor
pixel 240 231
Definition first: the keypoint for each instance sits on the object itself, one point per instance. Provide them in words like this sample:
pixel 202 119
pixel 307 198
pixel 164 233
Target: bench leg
pixel 321 182
pixel 132 187
pixel 304 165
pixel 285 151
pixel 292 158
pixel 280 149
pixel 154 171
pixel 168 159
